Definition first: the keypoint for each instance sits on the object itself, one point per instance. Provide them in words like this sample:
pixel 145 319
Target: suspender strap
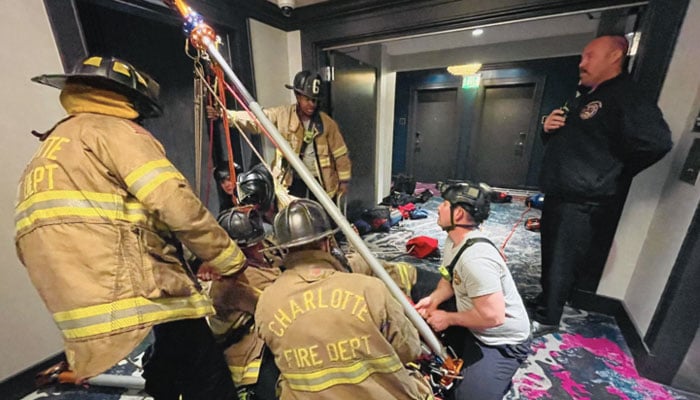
pixel 446 272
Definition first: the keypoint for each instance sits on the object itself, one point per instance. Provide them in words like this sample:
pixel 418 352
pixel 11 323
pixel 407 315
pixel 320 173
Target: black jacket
pixel 610 135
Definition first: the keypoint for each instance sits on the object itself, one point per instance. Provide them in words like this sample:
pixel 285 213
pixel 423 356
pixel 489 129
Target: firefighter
pixel 101 218
pixel 252 368
pixel 311 133
pixel 256 187
pixel 334 335
pixel 226 186
pixel 488 304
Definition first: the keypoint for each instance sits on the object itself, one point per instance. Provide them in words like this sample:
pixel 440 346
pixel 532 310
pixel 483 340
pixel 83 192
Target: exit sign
pixel 471 81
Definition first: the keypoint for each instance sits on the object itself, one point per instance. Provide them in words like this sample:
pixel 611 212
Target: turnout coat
pixel 100 218
pixel 337 335
pixel 332 158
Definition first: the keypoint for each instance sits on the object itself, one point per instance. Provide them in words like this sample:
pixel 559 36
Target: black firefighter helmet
pixel 256 187
pixel 307 84
pixel 112 74
pixel 243 224
pixel 475 199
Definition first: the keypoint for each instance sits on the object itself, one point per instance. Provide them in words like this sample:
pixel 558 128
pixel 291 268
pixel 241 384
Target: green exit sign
pixel 471 81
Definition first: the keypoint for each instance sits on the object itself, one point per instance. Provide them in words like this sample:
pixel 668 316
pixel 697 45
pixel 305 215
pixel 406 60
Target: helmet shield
pixel 473 198
pixel 303 221
pixel 243 224
pixel 113 74
pixel 307 84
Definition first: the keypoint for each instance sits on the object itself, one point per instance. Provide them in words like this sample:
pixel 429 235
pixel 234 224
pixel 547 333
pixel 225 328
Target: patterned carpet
pixel 589 359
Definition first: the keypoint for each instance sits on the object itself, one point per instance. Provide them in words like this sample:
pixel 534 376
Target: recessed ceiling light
pixel 477 32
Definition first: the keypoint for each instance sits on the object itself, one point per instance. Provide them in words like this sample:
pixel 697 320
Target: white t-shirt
pixel 480 271
pixel 309 156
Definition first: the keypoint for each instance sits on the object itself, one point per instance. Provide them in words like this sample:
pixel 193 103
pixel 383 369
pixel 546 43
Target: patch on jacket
pixel 591 109
pixel 457 280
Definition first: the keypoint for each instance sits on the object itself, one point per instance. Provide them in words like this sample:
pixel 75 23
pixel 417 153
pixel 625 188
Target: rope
pixel 503 246
pixel 281 192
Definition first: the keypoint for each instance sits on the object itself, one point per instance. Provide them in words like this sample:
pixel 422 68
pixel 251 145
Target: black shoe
pixel 533 302
pixel 538 329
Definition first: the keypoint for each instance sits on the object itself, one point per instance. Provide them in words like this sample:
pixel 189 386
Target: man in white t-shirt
pixel 487 302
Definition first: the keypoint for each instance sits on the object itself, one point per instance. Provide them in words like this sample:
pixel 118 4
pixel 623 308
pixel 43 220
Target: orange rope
pixel 229 148
pixel 503 246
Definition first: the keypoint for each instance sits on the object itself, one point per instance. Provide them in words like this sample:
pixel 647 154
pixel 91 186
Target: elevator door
pixel 432 149
pixel 354 104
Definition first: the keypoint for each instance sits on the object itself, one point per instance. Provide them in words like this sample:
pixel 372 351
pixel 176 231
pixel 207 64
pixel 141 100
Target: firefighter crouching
pixel 100 219
pixel 252 368
pixel 334 335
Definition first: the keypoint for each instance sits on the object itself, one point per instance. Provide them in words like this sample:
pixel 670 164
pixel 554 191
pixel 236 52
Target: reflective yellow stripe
pixel 404 276
pixel 241 320
pixel 229 260
pixel 144 179
pixel 74 203
pixel 344 175
pixel 350 374
pixel 246 375
pixel 325 162
pixel 95 320
pixel 340 151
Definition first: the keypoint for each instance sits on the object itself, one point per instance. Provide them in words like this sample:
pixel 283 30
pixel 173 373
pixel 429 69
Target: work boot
pixel 538 329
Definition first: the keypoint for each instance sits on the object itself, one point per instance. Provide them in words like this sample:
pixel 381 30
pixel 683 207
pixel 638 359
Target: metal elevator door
pixel 354 105
pixel 502 138
pixel 432 151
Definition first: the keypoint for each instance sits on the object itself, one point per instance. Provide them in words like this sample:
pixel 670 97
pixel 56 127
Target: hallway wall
pixel 660 206
pixel 276 59
pixel 28 334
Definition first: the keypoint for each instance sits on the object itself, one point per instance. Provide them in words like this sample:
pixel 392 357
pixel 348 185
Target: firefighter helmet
pixel 473 198
pixel 256 187
pixel 307 84
pixel 113 74
pixel 244 225
pixel 302 221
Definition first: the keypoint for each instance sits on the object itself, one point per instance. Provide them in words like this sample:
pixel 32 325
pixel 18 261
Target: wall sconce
pixel 463 70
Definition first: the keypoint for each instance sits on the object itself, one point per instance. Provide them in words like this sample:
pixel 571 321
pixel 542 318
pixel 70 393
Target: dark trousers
pixel 185 360
pixel 299 188
pixel 266 387
pixel 576 238
pixel 490 376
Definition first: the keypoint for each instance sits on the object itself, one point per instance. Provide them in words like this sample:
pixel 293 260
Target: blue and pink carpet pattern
pixel 588 359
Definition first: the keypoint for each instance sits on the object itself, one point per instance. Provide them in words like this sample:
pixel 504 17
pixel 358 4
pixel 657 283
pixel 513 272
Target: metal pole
pixel 296 163
pixel 122 381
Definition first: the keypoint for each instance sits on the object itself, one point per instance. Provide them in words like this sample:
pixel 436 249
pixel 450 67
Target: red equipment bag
pixel 421 246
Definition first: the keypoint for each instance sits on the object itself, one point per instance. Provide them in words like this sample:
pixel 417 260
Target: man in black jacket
pixel 594 145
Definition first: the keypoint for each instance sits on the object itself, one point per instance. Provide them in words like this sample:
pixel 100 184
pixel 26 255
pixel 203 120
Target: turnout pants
pixel 185 360
pixel 576 238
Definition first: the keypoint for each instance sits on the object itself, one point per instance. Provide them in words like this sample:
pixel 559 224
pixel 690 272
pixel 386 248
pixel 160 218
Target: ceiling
pixel 562 35
pixel 510 32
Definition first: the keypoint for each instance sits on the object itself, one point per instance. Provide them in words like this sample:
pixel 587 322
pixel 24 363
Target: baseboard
pixel 22 383
pixel 615 308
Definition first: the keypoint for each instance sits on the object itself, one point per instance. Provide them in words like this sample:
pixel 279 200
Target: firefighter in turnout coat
pixel 311 133
pixel 100 219
pixel 334 335
pixel 235 297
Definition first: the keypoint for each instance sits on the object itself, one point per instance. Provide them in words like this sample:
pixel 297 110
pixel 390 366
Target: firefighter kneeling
pixel 322 353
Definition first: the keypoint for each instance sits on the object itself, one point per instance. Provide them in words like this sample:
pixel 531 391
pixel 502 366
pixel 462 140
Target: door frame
pixel 533 126
pixel 413 107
